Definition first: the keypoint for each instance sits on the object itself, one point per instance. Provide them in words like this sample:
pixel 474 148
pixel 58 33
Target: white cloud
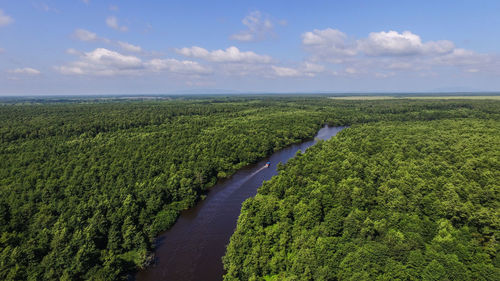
pixel 393 43
pixel 332 44
pixel 469 61
pixel 286 71
pixel 88 36
pixel 327 36
pixel 104 62
pixel 71 70
pixel 25 70
pixel 438 47
pixel 129 47
pixel 111 58
pixel 244 69
pixel 5 19
pixel 112 22
pixel 230 55
pixel 391 51
pixel 86 1
pixel 233 62
pixel 85 35
pixel 311 68
pixel 305 69
pixel 460 57
pixel 258 26
pixel 177 66
pixel 328 43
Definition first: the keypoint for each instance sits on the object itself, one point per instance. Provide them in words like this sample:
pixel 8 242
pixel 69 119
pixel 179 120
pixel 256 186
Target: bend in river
pixel 193 248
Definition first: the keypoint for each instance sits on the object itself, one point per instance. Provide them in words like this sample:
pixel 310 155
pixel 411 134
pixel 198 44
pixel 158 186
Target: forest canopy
pixel 382 201
pixel 86 186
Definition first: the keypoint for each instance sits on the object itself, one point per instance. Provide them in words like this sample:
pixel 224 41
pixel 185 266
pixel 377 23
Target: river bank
pixel 192 249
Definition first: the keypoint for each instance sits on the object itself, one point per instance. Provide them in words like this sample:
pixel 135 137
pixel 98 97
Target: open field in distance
pixel 494 97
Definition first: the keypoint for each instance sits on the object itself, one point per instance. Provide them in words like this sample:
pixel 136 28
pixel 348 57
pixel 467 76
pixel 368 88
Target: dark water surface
pixel 193 248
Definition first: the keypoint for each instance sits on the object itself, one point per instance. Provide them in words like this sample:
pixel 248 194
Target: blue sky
pixel 153 47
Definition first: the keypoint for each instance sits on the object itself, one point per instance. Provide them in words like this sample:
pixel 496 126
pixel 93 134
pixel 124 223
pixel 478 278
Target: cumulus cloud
pixel 5 19
pixel 107 57
pixel 405 43
pixel 25 70
pixel 328 43
pixel 129 47
pixel 234 62
pixel 259 27
pixel 334 45
pixel 230 55
pixel 104 62
pixel 88 36
pixel 112 22
pixel 177 66
pixel 385 51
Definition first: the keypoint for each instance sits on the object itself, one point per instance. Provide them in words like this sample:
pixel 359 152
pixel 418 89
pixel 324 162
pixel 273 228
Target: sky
pixel 56 47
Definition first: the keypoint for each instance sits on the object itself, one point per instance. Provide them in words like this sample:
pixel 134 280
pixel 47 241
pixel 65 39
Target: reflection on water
pixel 192 249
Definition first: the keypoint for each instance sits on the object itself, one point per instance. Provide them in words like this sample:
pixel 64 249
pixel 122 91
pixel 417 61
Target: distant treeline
pixel 85 187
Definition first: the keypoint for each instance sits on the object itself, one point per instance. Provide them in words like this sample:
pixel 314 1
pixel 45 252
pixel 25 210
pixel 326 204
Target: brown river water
pixel 193 248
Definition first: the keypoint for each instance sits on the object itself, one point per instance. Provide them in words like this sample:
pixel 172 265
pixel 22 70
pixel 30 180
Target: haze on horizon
pixel 151 47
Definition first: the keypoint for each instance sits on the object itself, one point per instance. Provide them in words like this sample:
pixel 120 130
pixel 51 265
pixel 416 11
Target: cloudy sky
pixel 146 47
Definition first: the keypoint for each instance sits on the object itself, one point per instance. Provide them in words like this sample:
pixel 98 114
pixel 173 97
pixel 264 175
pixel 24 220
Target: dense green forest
pixel 86 186
pixel 414 200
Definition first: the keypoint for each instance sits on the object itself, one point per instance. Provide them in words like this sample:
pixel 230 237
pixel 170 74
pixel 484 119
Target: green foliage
pixel 413 200
pixel 86 186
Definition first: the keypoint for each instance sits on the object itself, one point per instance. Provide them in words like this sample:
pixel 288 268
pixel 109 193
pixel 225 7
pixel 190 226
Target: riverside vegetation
pixel 86 186
pixel 382 201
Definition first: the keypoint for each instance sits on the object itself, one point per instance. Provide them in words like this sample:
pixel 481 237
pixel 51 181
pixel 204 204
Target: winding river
pixel 193 248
